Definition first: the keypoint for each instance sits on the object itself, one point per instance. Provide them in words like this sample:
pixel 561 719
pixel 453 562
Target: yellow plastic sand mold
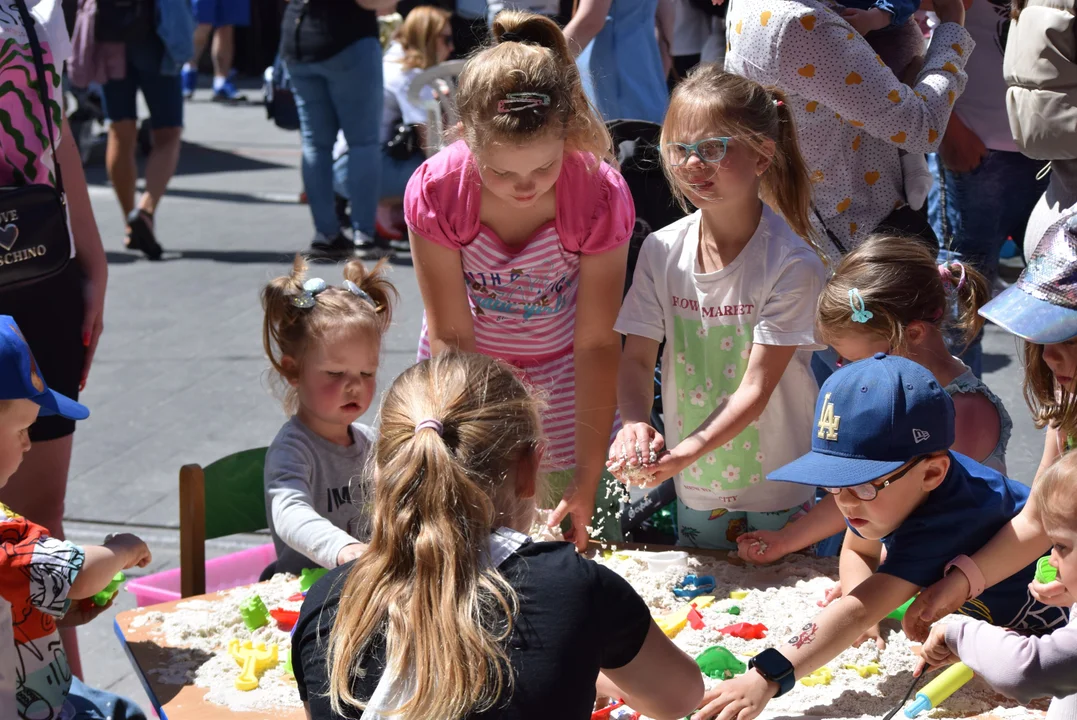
pixel 863 670
pixel 822 676
pixel 675 621
pixel 253 660
pixel 738 594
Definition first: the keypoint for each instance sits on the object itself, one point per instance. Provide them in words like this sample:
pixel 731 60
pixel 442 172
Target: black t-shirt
pixel 316 30
pixel 575 618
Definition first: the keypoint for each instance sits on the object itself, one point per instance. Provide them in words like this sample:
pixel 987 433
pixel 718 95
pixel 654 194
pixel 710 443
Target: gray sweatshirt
pixel 316 495
pixel 1022 667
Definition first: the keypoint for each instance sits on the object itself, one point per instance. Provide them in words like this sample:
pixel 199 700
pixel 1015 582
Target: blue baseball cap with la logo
pixel 872 417
pixel 20 378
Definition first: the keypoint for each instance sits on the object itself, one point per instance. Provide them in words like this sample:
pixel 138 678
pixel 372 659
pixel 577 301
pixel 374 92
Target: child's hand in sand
pixel 873 633
pixel 832 593
pixel 637 445
pixel 761 547
pixel 935 653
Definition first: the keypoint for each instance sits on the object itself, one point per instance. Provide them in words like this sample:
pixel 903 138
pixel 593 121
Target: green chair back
pixel 235 494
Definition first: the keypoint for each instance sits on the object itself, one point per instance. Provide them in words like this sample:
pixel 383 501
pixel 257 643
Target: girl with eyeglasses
pixel 731 290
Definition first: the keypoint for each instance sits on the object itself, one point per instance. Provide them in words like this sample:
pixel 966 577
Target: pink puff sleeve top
pixel 523 297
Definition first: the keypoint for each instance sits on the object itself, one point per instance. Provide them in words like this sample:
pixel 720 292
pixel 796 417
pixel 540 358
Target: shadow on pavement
pixel 238 257
pixel 197 159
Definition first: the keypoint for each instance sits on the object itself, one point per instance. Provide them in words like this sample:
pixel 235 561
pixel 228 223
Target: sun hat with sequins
pixel 1041 306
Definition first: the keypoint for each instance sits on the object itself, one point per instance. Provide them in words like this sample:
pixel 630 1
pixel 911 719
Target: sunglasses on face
pixel 709 150
pixel 870 490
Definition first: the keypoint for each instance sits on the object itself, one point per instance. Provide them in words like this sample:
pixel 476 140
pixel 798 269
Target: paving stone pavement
pixel 180 374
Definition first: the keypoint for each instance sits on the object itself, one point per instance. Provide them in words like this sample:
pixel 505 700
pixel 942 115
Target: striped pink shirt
pixel 523 298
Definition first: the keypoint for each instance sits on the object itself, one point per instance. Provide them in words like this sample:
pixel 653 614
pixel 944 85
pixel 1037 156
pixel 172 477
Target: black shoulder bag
pixel 35 242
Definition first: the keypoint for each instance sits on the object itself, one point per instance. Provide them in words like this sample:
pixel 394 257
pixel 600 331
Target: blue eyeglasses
pixel 709 150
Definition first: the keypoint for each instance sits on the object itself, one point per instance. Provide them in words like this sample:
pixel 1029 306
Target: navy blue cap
pixel 872 417
pixel 21 380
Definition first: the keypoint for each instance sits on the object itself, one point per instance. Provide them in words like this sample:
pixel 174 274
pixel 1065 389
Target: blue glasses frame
pixel 691 149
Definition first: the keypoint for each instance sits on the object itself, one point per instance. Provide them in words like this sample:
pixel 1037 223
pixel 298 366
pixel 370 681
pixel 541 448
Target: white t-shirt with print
pixel 709 321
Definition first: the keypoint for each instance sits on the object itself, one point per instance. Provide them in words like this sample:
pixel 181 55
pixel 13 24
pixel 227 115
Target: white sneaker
pixel 918 179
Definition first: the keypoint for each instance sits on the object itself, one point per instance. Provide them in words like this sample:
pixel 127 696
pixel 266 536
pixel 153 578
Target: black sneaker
pixel 140 235
pixel 333 250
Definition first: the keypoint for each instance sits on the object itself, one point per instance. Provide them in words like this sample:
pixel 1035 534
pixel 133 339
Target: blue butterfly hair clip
pixel 315 286
pixel 856 303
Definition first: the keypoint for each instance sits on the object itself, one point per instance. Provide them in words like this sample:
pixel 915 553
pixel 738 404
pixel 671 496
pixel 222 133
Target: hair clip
pixel 778 103
pixel 514 102
pixel 359 292
pixel 860 314
pixel 305 299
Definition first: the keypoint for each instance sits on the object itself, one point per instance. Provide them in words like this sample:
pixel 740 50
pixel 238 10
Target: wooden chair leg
pixel 192 498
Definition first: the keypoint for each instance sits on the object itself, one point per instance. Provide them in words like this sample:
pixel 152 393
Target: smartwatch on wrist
pixel 776 668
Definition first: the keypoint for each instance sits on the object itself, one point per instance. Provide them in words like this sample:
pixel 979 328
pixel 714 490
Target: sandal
pixel 140 234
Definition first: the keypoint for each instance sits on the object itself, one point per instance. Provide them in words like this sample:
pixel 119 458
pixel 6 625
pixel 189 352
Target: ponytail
pixel 970 291
pixel 529 56
pixel 291 324
pixel 786 186
pixel 452 429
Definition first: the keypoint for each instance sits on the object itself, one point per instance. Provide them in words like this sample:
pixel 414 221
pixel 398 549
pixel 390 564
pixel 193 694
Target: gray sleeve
pixel 1035 667
pixel 288 471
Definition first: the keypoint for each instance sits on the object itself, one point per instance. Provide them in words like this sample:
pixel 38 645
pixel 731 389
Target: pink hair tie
pixel 434 425
pixel 947 275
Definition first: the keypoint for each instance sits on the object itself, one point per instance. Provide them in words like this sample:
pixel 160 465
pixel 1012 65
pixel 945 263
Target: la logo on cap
pixel 918 435
pixel 828 421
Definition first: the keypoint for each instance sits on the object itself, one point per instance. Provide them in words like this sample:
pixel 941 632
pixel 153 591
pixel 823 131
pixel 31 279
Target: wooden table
pixel 147 652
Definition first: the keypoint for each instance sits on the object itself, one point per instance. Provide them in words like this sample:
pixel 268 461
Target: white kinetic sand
pixel 784 597
pixel 204 629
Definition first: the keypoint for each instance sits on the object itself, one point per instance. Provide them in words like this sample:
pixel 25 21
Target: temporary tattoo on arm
pixel 806 636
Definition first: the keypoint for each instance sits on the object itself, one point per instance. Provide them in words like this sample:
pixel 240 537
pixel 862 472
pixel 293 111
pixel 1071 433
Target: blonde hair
pixel 288 330
pixel 445 613
pixel 751 114
pixel 1049 404
pixel 419 35
pixel 1055 493
pixel 529 55
pixel 900 282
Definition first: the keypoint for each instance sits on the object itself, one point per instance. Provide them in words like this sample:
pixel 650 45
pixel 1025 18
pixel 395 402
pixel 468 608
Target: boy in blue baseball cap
pixel 40 576
pixel 881 445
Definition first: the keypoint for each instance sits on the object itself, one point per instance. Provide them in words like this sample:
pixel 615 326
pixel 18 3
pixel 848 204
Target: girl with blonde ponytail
pixel 519 233
pixel 453 612
pixel 731 290
pixel 323 342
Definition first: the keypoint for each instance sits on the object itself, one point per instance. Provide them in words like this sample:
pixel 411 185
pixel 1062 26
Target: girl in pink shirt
pixel 519 233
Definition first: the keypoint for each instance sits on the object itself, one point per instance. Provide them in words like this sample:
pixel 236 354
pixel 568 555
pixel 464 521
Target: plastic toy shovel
pixel 935 692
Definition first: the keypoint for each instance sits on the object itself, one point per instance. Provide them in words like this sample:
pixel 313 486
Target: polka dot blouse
pixel 853 115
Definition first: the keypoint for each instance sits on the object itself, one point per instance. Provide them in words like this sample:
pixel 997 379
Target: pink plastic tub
pixel 223 573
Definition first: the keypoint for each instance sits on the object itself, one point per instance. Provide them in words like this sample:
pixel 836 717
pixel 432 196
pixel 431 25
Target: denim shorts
pixel 163 93
pixel 222 13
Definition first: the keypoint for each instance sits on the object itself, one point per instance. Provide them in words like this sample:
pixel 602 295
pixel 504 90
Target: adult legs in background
pixel 219 17
pixel 974 212
pixel 318 126
pixel 164 97
pixel 355 88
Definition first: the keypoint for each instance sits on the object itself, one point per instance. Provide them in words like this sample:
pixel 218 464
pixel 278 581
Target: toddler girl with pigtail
pixel 890 296
pixel 323 342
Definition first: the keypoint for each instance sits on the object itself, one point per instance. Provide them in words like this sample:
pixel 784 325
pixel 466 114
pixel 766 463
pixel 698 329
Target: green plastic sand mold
pixel 718 663
pixel 899 614
pixel 102 598
pixel 307 578
pixel 1044 572
pixel 254 613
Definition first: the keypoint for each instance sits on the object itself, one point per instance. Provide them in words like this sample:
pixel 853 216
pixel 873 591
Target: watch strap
pixel 785 678
pixel 968 566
